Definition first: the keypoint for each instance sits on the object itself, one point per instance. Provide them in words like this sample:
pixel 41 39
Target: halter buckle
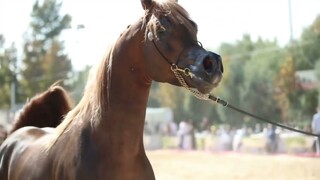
pixel 174 67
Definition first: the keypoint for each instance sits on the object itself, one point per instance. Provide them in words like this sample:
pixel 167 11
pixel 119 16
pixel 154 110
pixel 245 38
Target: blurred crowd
pixel 262 138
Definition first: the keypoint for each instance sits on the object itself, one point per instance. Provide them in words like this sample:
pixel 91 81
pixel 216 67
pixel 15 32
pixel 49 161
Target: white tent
pixel 156 118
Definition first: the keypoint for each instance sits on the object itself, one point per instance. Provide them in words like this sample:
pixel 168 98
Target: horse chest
pixel 97 163
pixel 89 159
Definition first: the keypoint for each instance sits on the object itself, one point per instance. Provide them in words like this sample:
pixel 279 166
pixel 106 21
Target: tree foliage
pixel 78 83
pixel 306 54
pixel 307 49
pixel 251 68
pixel 285 88
pixel 44 59
pixel 8 63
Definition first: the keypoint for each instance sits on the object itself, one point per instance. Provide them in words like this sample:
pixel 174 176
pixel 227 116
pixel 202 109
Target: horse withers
pixel 102 137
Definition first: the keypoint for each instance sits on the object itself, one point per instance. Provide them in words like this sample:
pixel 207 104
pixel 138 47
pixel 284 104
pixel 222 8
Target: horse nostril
pixel 207 64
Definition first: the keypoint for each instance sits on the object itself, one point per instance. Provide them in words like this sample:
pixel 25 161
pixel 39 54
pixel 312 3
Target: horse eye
pixel 164 24
pixel 165 21
pixel 161 31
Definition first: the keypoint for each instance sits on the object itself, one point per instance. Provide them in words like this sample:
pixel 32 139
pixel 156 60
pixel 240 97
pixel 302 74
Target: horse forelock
pixel 171 9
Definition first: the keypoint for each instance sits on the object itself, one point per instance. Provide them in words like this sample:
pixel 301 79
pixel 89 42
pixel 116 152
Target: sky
pixel 218 21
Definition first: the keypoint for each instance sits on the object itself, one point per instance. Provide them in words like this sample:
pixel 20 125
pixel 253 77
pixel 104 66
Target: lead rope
pixel 226 104
pixel 217 100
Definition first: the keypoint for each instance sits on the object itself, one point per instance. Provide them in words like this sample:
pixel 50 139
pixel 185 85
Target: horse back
pixel 21 154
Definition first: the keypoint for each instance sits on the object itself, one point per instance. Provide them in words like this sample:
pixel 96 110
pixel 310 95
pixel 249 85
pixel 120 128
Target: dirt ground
pixel 197 165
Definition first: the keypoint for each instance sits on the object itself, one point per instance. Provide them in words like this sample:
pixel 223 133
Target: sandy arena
pixel 198 165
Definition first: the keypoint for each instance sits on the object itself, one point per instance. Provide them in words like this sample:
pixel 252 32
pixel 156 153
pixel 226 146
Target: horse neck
pixel 121 125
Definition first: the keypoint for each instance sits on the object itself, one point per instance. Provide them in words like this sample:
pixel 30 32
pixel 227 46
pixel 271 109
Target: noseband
pixel 174 66
pixel 177 71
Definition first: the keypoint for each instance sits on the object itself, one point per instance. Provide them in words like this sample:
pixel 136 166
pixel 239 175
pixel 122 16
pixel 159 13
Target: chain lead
pixel 193 91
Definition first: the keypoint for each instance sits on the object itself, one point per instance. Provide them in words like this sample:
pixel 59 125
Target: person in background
pixel 272 139
pixel 205 125
pixel 182 133
pixel 316 128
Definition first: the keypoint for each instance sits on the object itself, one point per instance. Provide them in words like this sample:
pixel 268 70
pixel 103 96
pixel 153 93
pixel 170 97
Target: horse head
pixel 172 44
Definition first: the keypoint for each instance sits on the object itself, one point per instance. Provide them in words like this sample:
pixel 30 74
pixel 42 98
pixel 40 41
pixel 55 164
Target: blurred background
pixel 270 51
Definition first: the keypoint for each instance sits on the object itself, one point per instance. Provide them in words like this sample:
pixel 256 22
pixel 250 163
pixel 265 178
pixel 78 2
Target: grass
pixel 199 165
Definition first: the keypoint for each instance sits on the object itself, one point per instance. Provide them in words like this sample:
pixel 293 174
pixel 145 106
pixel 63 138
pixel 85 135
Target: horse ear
pixel 146 4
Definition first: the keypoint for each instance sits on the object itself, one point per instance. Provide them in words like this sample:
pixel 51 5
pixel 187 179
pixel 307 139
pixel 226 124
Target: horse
pixel 102 136
pixel 44 110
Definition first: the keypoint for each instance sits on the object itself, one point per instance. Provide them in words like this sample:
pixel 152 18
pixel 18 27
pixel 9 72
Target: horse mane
pixel 44 110
pixel 93 101
pixel 88 110
pixel 99 80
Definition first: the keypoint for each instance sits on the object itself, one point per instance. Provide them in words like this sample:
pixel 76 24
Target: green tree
pixel 259 74
pixel 307 48
pixel 234 57
pixel 78 83
pixel 248 83
pixel 44 59
pixel 285 88
pixel 8 61
pixel 305 54
pixel 195 110
pixel 310 41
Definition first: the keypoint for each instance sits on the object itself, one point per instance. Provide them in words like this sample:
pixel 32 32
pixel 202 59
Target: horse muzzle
pixel 207 71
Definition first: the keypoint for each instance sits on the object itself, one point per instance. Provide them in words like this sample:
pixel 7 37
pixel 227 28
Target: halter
pixel 177 71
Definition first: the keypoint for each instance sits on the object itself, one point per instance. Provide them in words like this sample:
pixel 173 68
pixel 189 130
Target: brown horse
pixel 44 110
pixel 102 137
